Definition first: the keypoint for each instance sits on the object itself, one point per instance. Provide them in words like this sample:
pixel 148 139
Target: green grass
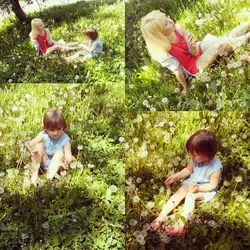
pixel 155 149
pixel 66 22
pixel 77 210
pixel 149 86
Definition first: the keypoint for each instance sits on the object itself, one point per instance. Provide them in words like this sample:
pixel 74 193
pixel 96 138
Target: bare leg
pixel 55 164
pixel 190 203
pixel 240 30
pixel 211 53
pixel 173 202
pixel 37 158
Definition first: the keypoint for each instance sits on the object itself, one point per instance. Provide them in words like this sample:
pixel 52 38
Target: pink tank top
pixel 180 52
pixel 43 42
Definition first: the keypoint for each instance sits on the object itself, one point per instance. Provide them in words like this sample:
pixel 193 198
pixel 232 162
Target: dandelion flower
pixel 45 225
pixel 238 179
pixel 132 222
pixel 113 189
pixel 1 190
pixel 150 205
pixel 164 100
pixel 136 199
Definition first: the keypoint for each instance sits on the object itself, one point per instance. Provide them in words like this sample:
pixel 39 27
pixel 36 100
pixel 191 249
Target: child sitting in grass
pixel 175 48
pixel 51 147
pixel 42 40
pixel 93 49
pixel 204 171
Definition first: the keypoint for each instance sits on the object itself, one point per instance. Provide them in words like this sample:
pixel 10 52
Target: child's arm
pixel 36 140
pixel 214 181
pixel 181 79
pixel 67 154
pixel 49 37
pixel 190 39
pixel 185 172
pixel 92 48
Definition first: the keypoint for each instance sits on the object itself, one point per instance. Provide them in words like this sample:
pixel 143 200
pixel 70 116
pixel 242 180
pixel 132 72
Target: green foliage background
pixel 155 148
pixel 149 86
pixel 84 208
pixel 69 23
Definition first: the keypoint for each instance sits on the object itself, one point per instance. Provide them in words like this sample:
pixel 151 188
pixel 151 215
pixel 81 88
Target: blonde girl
pixel 42 40
pixel 51 147
pixel 178 50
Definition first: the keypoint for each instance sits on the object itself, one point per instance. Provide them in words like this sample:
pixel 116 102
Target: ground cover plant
pixel 155 149
pixel 84 207
pixel 149 86
pixel 66 22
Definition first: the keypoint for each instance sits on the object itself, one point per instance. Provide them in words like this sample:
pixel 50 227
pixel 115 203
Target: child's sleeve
pixel 170 62
pixel 35 43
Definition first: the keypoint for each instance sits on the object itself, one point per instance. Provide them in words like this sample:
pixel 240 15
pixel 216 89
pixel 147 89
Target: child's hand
pixel 193 45
pixel 193 188
pixel 65 164
pixel 171 179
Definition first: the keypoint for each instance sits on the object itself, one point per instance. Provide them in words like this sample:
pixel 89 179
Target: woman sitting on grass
pixel 93 49
pixel 50 148
pixel 178 50
pixel 42 41
pixel 204 171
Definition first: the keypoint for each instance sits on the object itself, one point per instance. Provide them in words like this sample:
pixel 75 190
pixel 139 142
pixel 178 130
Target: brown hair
pixel 91 33
pixel 203 142
pixel 54 119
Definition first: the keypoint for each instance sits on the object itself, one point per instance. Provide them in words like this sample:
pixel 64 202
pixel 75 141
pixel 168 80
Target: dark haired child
pixel 204 171
pixel 51 147
pixel 93 49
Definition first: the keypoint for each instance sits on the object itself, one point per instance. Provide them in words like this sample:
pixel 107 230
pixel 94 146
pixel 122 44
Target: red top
pixel 43 42
pixel 180 52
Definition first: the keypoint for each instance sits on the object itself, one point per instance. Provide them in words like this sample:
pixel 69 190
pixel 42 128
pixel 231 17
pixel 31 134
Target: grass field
pixel 155 149
pixel 66 22
pixel 82 209
pixel 149 86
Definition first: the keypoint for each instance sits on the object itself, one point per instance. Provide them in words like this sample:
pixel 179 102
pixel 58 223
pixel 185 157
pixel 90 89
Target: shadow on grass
pixel 17 32
pixel 64 213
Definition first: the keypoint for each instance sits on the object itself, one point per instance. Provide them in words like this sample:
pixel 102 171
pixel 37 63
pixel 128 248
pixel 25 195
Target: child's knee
pixel 58 155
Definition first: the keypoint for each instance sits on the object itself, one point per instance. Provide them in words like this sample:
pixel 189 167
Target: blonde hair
pixel 152 26
pixel 35 24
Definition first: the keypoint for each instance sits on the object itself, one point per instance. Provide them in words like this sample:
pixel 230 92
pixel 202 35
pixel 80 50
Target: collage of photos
pixel 124 124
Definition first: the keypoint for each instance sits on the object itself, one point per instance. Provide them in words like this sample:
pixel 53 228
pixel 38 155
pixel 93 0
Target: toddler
pixel 51 147
pixel 204 171
pixel 93 49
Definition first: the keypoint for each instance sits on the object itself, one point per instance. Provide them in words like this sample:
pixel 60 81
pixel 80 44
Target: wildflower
pixel 164 100
pixel 121 207
pixel 121 139
pixel 136 140
pixel 131 86
pixel 161 124
pixel 241 71
pixel 139 238
pixel 76 77
pixel 171 124
pixel 146 227
pixel 234 136
pixel 75 66
pixel 1 190
pixel 139 180
pixel 91 165
pixel 86 91
pixel 136 199
pixel 145 103
pixel 238 179
pixel 113 189
pixel 72 109
pixel 223 74
pixel 153 109
pixel 45 225
pixel 132 222
pixel 150 205
pixel 80 147
pixel 224 144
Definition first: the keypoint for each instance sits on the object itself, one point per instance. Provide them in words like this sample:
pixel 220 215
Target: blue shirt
pixel 53 145
pixel 202 171
pixel 99 47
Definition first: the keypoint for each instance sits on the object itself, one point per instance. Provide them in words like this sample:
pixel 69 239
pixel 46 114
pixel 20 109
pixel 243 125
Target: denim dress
pixel 54 145
pixel 201 175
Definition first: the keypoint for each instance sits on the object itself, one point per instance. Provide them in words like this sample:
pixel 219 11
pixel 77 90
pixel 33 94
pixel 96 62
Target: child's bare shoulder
pixel 180 28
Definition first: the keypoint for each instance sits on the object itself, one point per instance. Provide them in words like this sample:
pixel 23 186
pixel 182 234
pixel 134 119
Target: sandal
pixel 156 224
pixel 177 230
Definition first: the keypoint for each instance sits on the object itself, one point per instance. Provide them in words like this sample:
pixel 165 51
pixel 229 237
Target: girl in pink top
pixel 175 48
pixel 42 41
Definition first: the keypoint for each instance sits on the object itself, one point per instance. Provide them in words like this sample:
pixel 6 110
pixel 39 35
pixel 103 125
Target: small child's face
pixel 169 26
pixel 200 158
pixel 55 134
pixel 41 27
